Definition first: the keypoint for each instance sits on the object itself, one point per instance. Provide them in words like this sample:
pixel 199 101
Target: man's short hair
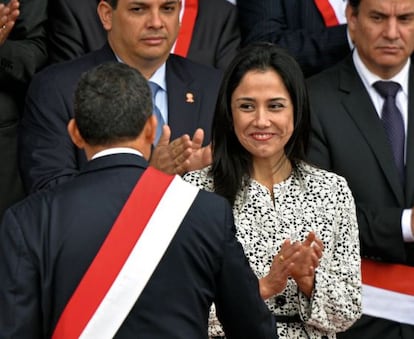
pixel 112 104
pixel 113 3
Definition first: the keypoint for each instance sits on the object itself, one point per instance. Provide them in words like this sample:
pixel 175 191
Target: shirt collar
pixel 158 77
pixel 116 150
pixel 370 78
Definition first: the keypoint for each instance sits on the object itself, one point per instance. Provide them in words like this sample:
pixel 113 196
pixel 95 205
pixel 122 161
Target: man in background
pixel 22 53
pixel 363 129
pixel 209 31
pixel 313 31
pixel 141 35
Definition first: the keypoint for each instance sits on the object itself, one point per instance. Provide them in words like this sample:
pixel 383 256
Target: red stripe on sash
pixel 391 277
pixel 185 35
pixel 113 253
pixel 327 12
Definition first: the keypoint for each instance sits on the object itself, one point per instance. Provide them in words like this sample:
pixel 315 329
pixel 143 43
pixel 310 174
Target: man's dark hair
pixel 354 4
pixel 113 3
pixel 112 104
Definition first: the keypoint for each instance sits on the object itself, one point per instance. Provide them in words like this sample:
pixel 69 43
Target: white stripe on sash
pixel 332 11
pixel 386 304
pixel 339 7
pixel 145 257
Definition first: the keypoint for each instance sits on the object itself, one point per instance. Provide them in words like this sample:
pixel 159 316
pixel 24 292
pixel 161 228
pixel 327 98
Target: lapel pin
pixel 189 97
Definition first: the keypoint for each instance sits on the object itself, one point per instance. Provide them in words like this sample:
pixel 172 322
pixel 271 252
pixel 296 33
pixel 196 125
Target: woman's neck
pixel 269 173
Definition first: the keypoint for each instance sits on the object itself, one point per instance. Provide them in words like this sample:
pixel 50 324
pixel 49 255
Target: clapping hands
pixel 303 270
pixel 297 260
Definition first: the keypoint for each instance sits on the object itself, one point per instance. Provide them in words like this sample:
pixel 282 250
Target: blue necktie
pixel 393 122
pixel 156 111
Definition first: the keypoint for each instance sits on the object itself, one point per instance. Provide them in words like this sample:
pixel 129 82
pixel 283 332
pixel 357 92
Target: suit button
pixel 280 300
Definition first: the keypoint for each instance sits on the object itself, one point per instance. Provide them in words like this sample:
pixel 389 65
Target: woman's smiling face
pixel 262 114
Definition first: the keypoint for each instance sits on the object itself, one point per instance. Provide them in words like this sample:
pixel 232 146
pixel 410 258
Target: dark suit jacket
pixel 47 153
pixel 48 241
pixel 75 29
pixel 296 25
pixel 21 55
pixel 349 139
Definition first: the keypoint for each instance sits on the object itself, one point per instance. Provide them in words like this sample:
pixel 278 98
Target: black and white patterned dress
pixel 310 199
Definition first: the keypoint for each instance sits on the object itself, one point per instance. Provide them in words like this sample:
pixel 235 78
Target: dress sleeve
pixel 200 178
pixel 335 303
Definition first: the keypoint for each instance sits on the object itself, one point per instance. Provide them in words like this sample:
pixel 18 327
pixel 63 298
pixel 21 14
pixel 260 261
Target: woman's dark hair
pixel 232 163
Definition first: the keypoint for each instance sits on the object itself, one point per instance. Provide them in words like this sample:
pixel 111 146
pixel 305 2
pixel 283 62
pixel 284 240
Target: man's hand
pixel 182 154
pixel 170 157
pixel 200 156
pixel 8 16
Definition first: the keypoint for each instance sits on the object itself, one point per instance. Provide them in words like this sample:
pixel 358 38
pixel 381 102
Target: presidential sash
pixel 127 258
pixel 185 35
pixel 332 11
pixel 388 291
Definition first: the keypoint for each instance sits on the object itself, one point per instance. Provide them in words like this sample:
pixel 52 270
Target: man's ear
pixel 150 129
pixel 105 14
pixel 75 135
pixel 350 18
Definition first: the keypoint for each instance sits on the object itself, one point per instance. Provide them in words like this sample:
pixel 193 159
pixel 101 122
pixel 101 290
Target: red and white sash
pixel 188 18
pixel 127 258
pixel 333 11
pixel 388 291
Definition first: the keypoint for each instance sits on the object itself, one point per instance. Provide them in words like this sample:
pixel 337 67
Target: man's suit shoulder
pixel 197 70
pixel 68 72
pixel 216 7
pixel 212 214
pixel 328 75
pixel 214 201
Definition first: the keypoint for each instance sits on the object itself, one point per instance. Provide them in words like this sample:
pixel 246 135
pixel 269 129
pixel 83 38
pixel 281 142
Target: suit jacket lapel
pixel 184 98
pixel 409 168
pixel 359 106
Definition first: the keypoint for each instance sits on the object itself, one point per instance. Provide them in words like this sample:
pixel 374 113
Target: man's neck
pixel 146 67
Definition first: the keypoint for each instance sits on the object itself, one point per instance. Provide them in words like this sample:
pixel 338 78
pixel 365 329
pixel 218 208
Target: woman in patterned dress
pixel 297 223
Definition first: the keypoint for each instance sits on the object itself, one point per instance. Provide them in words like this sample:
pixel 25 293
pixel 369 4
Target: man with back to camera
pixel 140 34
pixel 363 129
pixel 74 263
